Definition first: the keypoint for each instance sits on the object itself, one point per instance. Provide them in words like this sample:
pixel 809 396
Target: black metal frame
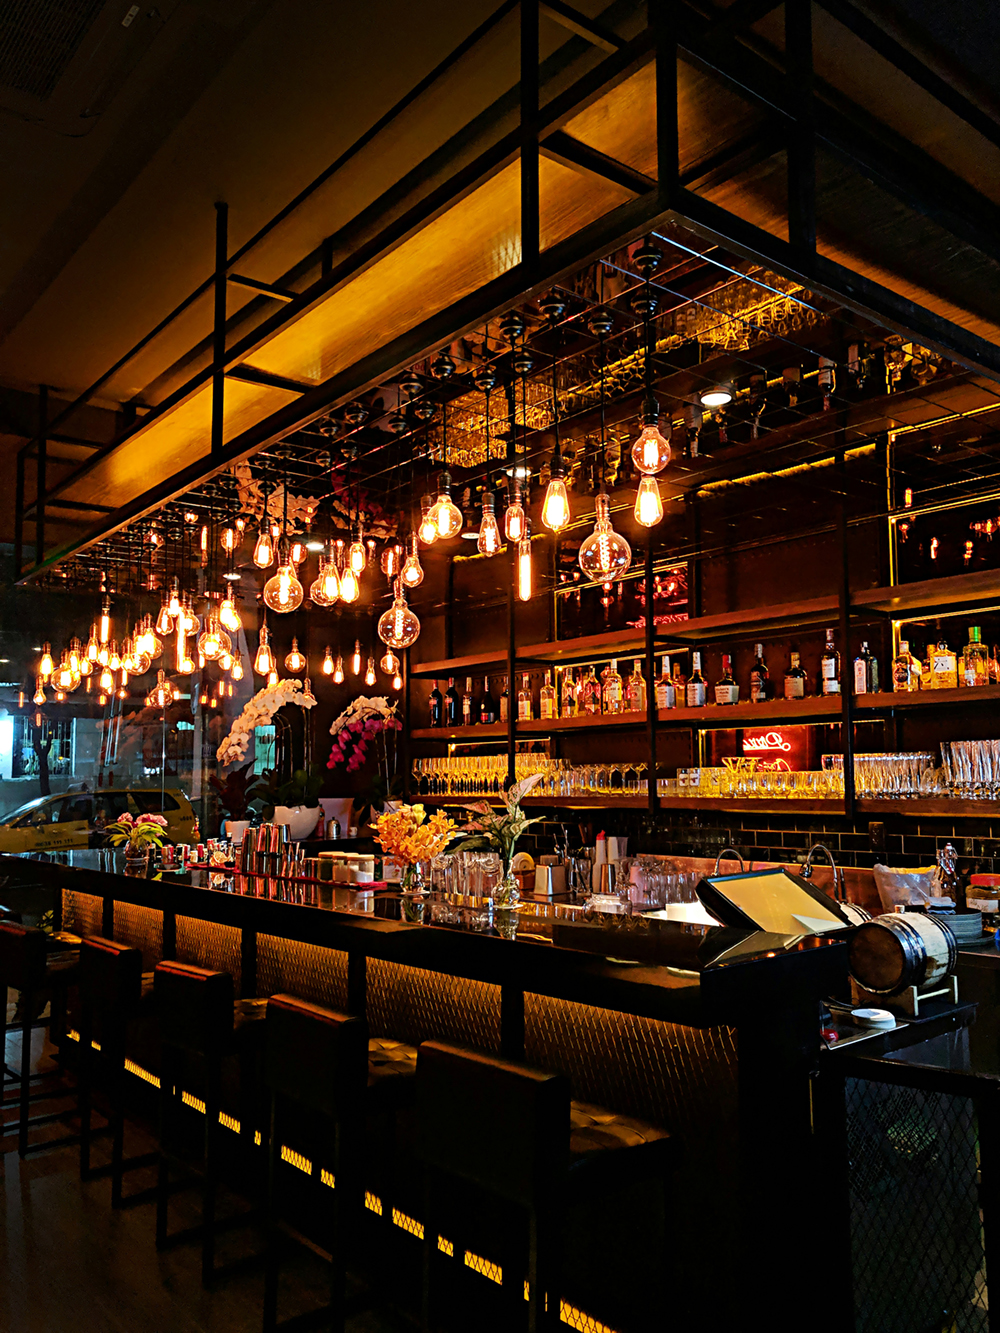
pixel 717 42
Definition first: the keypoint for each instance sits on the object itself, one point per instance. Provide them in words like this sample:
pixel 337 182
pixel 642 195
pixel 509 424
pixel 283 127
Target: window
pixel 151 803
pixel 76 807
pixel 112 805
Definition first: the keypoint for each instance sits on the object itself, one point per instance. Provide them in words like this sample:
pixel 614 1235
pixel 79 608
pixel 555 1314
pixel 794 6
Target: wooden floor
pixel 70 1264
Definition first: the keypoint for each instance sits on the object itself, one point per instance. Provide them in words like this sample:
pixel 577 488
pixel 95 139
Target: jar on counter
pixel 983 895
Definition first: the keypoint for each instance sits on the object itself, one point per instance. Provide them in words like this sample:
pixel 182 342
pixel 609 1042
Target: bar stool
pixel 29 966
pixel 111 994
pixel 323 1063
pixel 203 1032
pixel 556 1152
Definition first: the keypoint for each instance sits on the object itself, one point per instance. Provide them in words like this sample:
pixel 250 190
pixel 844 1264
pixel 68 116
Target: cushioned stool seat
pixel 389 1061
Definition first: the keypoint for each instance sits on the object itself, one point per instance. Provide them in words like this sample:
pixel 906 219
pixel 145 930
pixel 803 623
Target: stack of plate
pixel 967 927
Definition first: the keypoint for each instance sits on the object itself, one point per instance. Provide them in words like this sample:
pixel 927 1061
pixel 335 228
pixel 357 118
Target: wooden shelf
pixel 930 595
pixel 762 619
pixel 932 807
pixel 478 733
pixel 595 802
pixel 927 698
pixel 742 714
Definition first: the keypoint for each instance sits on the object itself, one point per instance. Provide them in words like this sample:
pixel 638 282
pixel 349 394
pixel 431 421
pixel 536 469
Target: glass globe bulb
pixel 446 517
pixel 263 552
pixel 555 506
pixel 389 663
pixel 164 624
pixel 237 671
pixel 318 593
pixel 350 589
pixel 648 505
pixel 142 665
pixel 488 542
pixel 651 452
pixel 356 659
pixel 604 554
pixel 210 642
pixel 188 620
pixel 229 614
pixel 356 556
pixel 46 666
pixel 103 655
pixel 295 661
pixel 524 572
pixel 514 522
pixel 370 673
pixel 398 627
pixel 39 695
pixel 338 671
pixel 283 592
pixel 412 572
pixel 427 531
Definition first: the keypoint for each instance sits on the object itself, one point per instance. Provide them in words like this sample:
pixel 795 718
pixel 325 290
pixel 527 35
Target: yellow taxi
pixel 76 818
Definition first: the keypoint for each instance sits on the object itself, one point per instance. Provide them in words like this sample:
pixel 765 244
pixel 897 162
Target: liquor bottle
pixel 829 667
pixel 696 689
pixel 865 672
pixel 926 674
pixel 680 684
pixel 666 696
pixel 726 689
pixel 524 700
pixel 612 690
pixel 589 695
pixel 452 704
pixel 995 665
pixel 467 703
pixel 436 702
pixel 487 704
pixel 568 703
pixel 975 660
pixel 504 701
pixel 905 670
pixel 548 703
pixel 760 677
pixel 795 678
pixel 944 667
pixel 636 689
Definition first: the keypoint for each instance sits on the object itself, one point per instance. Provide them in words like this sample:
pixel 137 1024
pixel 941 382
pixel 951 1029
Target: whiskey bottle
pixel 726 689
pixel 905 670
pixel 568 704
pixel 680 684
pixel 589 695
pixel 548 706
pixel 612 689
pixel 436 703
pixel 666 696
pixel 504 701
pixel 524 700
pixel 636 689
pixel 696 689
pixel 829 667
pixel 975 660
pixel 452 704
pixel 760 683
pixel 467 703
pixel 944 667
pixel 487 704
pixel 795 678
pixel 865 672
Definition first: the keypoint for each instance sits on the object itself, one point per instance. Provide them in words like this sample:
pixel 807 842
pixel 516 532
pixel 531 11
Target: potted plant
pixel 497 829
pixel 234 797
pixel 137 836
pixel 410 838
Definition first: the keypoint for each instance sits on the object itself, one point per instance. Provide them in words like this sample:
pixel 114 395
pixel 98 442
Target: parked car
pixel 76 818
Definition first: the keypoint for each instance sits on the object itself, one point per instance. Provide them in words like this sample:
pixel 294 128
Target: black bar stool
pixel 324 1063
pixel 554 1152
pixel 203 1033
pixel 111 994
pixel 29 966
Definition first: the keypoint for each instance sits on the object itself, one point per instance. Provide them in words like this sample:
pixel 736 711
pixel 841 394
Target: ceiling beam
pixel 581 26
pixel 563 148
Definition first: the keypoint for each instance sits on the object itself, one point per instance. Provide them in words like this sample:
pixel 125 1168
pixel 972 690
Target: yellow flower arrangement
pixel 403 834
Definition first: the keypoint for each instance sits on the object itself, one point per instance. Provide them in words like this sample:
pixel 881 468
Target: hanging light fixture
pixel 114 661
pixel 272 679
pixel 327 667
pixel 263 551
pixel 295 661
pixel 717 395
pixel 356 659
pixel 93 647
pixel 237 670
pixel 515 520
pixel 39 695
pixel 226 661
pixel 392 555
pixel 397 681
pixel 412 572
pixel 398 627
pixel 555 506
pixel 86 666
pixel 46 666
pixel 104 624
pixel 283 592
pixel 297 551
pixel 75 650
pixel 229 540
pixel 427 531
pixel 229 613
pixel 444 513
pixel 264 661
pixel 389 663
pixel 356 554
pixel 350 588
pixel 106 682
pixel 338 670
pixel 648 505
pixel 174 604
pixel 651 451
pixel 524 571
pixel 370 673
pixel 164 624
pixel 213 640
pixel 605 554
pixel 488 542
pixel 103 655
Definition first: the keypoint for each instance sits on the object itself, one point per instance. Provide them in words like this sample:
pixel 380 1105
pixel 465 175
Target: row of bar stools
pixel 29 966
pixel 322 1062
pixel 111 994
pixel 554 1151
pixel 204 1035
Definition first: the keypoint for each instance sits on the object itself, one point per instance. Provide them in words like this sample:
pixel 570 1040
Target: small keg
pixel 892 952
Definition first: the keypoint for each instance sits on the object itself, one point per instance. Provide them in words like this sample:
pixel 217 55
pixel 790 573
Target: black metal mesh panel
pixel 305 970
pixel 142 927
pixel 916 1228
pixel 413 1005
pixel 209 945
pixel 81 912
pixel 38 39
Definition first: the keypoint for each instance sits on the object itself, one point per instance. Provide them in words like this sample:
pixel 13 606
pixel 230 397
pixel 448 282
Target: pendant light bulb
pixel 427 531
pixel 605 554
pixel 327 662
pixel 648 505
pixel 74 655
pixel 488 542
pixel 357 556
pixel 164 624
pixel 272 679
pixel 174 605
pixel 229 614
pixel 392 557
pixel 515 520
pixel 295 661
pixel 237 671
pixel 283 592
pixel 263 552
pixel 103 655
pixel 38 697
pixel 106 681
pixel 412 572
pixel 397 681
pixel 444 514
pixel 46 666
pixel 264 661
pixel 398 627
pixel 338 670
pixel 389 663
pixel 104 624
pixel 93 647
pixel 114 661
pixel 350 589
pixel 86 666
pixel 356 659
pixel 524 571
pixel 297 551
pixel 555 506
pixel 651 452
pixel 370 673
pixel 229 540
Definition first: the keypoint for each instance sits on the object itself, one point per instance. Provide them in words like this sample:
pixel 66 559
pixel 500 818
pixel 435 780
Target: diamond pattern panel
pixel 207 944
pixel 413 1005
pixel 81 912
pixel 916 1228
pixel 142 927
pixel 306 970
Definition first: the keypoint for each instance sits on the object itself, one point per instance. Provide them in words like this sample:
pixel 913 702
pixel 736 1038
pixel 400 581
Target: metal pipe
pixel 219 327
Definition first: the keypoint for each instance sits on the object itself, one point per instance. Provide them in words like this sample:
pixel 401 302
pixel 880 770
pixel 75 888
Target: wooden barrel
pixel 855 913
pixel 902 949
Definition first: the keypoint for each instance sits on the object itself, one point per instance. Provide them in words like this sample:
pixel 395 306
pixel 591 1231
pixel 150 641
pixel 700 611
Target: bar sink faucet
pixel 807 869
pixel 736 854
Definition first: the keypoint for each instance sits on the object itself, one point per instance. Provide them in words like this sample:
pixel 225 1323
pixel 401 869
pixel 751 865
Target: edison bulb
pixel 325 587
pixel 327 662
pixel 106 681
pixel 391 559
pixel 164 624
pixel 514 522
pixel 210 643
pixel 651 452
pixel 103 655
pixel 489 533
pixel 604 554
pixel 555 506
pixel 46 666
pixel 399 627
pixel 338 671
pixel 350 589
pixel 229 540
pixel 427 531
pixel 86 666
pixel 39 695
pixel 264 661
pixel 446 516
pixel 389 662
pixel 237 671
pixel 297 551
pixel 74 655
pixel 229 614
pixel 524 578
pixel 295 661
pixel 114 661
pixel 283 592
pixel 174 605
pixel 263 552
pixel 356 556
pixel 93 647
pixel 412 572
pixel 272 679
pixel 356 659
pixel 104 625
pixel 648 505
pixel 370 673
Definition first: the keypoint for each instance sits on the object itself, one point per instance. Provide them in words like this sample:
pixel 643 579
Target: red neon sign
pixel 765 742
